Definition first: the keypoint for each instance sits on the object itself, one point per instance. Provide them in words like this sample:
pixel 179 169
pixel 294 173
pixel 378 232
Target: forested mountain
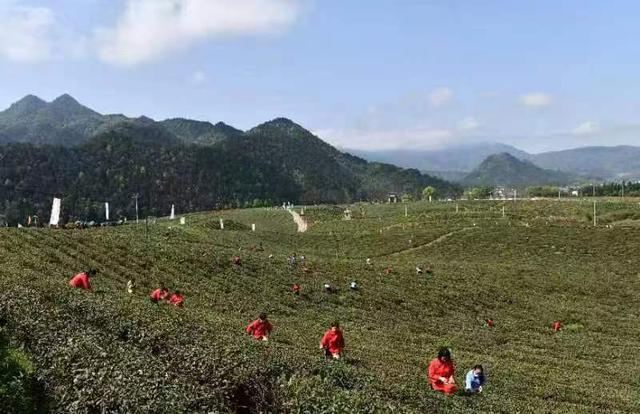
pixel 506 170
pixel 274 162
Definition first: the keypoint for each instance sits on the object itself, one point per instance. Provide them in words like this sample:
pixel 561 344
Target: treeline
pixel 262 168
pixel 609 189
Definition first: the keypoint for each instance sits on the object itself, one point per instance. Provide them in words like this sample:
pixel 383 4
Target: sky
pixel 364 74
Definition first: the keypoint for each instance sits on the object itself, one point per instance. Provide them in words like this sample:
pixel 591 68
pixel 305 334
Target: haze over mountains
pixel 454 163
pixel 65 149
pixel 504 169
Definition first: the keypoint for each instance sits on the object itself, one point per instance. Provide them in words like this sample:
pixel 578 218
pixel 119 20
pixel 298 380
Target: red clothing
pixel 333 341
pixel 259 328
pixel 159 294
pixel 295 288
pixel 490 323
pixel 81 280
pixel 557 325
pixel 176 300
pixel 439 369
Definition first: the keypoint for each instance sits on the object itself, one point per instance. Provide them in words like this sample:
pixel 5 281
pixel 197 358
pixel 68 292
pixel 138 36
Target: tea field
pixel 524 264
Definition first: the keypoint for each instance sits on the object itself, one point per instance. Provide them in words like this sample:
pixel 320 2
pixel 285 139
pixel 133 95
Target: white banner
pixel 106 211
pixel 55 212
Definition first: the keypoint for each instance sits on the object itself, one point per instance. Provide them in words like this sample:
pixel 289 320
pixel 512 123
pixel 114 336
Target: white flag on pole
pixel 55 212
pixel 173 212
pixel 106 211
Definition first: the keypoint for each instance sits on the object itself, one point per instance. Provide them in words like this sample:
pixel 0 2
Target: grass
pixel 539 262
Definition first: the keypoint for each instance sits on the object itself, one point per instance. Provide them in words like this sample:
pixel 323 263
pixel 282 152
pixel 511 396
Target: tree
pixel 406 197
pixel 428 193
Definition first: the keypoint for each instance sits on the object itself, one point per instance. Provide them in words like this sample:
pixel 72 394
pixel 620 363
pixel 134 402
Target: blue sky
pixel 368 74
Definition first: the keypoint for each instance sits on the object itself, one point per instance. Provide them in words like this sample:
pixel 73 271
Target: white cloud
pixel 586 128
pixel 469 124
pixel 26 33
pixel 149 29
pixel 536 100
pixel 440 97
pixel 197 78
pixel 421 138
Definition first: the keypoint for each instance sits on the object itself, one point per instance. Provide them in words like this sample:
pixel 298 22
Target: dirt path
pixel 302 223
pixel 433 242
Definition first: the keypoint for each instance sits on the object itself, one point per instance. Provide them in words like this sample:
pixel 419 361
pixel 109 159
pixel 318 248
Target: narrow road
pixel 433 242
pixel 302 223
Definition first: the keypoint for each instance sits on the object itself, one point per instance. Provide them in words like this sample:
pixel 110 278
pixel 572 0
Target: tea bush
pixel 108 351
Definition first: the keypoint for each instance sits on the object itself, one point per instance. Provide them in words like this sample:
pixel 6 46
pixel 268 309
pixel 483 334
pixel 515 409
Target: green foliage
pixel 19 391
pixel 108 351
pixel 428 193
pixel 406 197
pixel 194 165
pixel 479 193
pixel 506 170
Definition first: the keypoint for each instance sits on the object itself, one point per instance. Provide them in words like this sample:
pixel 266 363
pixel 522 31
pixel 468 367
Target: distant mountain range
pixel 63 148
pixel 455 162
pixel 505 170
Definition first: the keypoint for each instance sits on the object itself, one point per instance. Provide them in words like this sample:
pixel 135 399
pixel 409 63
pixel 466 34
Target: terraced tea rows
pixel 535 263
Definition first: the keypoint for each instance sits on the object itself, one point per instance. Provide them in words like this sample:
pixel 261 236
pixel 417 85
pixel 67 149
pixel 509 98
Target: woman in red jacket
pixel 333 342
pixel 176 299
pixel 260 328
pixel 160 294
pixel 81 280
pixel 441 372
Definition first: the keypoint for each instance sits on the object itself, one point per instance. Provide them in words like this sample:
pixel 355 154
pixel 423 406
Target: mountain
pixel 194 165
pixel 506 170
pixel 61 122
pixel 200 132
pixel 464 157
pixel 608 162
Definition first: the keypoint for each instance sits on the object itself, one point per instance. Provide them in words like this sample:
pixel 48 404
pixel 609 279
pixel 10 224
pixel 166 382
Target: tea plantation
pixel 524 264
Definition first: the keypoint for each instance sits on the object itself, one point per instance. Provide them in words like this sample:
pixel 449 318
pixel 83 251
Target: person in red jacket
pixel 160 294
pixel 260 328
pixel 441 372
pixel 295 289
pixel 333 342
pixel 81 280
pixel 556 326
pixel 176 299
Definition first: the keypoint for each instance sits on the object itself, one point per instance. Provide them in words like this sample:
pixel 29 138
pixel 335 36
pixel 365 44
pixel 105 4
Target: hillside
pixel 275 162
pixel 506 170
pixel 464 157
pixel 610 162
pixel 108 351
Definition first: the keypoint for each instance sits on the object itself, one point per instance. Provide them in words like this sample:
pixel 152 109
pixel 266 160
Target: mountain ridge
pixel 506 170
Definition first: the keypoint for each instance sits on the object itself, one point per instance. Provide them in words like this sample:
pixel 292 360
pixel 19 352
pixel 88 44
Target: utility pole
pixel 594 190
pixel 136 196
pixel 623 189
pixel 595 219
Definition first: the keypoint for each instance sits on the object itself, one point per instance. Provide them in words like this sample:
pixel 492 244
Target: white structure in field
pixel 106 211
pixel 55 212
pixel 183 220
pixel 173 212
